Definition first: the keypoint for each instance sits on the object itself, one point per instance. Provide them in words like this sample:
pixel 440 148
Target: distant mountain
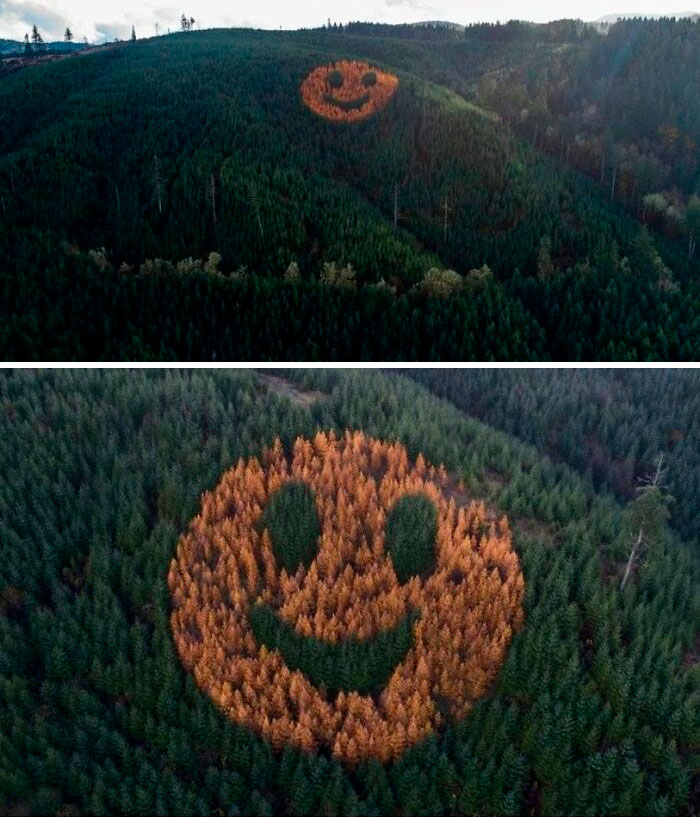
pixel 613 18
pixel 439 24
pixel 17 47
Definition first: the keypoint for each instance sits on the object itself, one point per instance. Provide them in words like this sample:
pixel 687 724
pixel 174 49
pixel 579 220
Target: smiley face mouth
pixel 351 665
pixel 347 104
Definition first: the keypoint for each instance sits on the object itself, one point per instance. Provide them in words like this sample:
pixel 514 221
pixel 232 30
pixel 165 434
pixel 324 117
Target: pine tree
pixel 37 39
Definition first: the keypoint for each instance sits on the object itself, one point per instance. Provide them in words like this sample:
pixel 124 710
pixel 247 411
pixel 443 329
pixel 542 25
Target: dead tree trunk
pixel 640 535
pixel 156 177
pixel 447 208
pixel 212 194
pixel 632 557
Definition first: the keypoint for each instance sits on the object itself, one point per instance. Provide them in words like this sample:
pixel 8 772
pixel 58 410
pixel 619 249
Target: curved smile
pixel 350 665
pixel 348 104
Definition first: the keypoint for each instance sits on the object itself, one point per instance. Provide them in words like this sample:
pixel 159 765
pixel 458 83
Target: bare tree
pixel 255 201
pixel 632 557
pixel 447 209
pixel 212 196
pixel 612 188
pixel 692 224
pixel 652 513
pixel 156 180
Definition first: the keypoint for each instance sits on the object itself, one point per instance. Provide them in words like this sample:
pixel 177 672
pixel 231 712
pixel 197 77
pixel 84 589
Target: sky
pixel 101 20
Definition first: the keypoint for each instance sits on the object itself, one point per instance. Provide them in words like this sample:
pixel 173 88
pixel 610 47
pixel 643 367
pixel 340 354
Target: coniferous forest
pixel 506 192
pixel 348 592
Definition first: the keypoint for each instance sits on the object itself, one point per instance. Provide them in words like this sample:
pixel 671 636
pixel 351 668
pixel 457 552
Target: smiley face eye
pixel 411 530
pixel 292 522
pixel 336 79
pixel 370 79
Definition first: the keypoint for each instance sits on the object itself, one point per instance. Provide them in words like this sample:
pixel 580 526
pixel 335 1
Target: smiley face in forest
pixel 347 91
pixel 342 598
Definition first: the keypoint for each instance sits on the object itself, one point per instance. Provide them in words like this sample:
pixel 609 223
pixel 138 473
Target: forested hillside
pixel 609 425
pixel 109 675
pixel 623 109
pixel 619 106
pixel 198 146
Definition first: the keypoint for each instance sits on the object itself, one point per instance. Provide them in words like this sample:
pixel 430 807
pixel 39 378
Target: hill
pixel 588 706
pixel 183 146
pixel 54 47
pixel 614 18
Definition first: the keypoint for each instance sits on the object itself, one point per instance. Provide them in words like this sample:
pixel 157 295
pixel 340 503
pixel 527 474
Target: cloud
pixel 18 16
pixel 417 5
pixel 113 31
pixel 117 16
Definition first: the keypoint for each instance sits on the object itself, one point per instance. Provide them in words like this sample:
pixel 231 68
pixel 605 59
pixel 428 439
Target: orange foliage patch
pixel 469 606
pixel 354 99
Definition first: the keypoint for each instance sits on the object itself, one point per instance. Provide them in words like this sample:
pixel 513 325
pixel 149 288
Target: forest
pixel 144 514
pixel 608 425
pixel 190 170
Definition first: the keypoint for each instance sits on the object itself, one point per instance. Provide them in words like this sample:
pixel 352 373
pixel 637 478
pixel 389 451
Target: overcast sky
pixel 106 19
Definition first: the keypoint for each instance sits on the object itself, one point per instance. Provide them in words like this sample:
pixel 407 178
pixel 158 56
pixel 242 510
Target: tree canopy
pixel 593 711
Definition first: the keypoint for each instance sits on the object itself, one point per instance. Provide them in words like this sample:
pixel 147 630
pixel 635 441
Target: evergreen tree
pixel 37 39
